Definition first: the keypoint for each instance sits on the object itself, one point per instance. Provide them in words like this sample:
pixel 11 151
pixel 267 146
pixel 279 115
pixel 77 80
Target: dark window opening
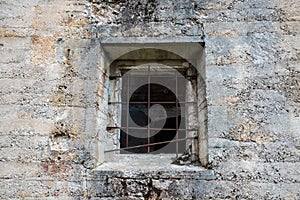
pixel 153 113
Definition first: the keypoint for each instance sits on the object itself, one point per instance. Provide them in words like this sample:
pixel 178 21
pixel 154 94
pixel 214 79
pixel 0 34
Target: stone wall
pixel 49 135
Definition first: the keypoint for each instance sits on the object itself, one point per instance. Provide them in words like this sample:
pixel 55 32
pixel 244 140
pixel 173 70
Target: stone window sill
pixel 151 166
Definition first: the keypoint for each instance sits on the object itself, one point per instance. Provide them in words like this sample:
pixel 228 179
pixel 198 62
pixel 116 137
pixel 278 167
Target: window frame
pixel 190 75
pixel 115 48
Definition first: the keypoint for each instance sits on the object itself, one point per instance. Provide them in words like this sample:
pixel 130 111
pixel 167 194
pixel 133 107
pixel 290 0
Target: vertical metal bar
pixel 186 112
pixel 127 113
pixel 176 114
pixel 149 108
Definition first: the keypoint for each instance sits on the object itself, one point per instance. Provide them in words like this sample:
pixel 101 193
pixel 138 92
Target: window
pixel 153 111
pixel 155 100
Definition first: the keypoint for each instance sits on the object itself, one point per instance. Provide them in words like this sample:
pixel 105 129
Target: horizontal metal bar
pixel 161 102
pixel 151 144
pixel 165 129
pixel 169 75
pixel 154 102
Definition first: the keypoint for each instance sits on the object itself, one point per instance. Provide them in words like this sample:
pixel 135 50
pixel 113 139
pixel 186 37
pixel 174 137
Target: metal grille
pixel 140 100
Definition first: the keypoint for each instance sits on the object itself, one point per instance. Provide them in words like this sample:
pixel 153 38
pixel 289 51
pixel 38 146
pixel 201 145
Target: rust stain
pixel 60 170
pixel 77 22
pixel 74 22
pixel 4 33
pixel 229 33
pixel 250 132
pixel 104 77
pixel 38 10
pixel 229 100
pixel 58 99
pixel 38 24
pixel 68 56
pixel 62 129
pixel 43 49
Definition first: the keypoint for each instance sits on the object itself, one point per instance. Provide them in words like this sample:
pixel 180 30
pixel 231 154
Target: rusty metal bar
pixel 154 102
pixel 154 75
pixel 176 91
pixel 127 109
pixel 157 129
pixel 149 107
pixel 151 144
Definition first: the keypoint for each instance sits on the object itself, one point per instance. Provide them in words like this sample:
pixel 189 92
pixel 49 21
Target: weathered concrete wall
pixel 52 89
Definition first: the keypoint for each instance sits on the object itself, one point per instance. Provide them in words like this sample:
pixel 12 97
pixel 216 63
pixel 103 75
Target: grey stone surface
pixel 54 94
